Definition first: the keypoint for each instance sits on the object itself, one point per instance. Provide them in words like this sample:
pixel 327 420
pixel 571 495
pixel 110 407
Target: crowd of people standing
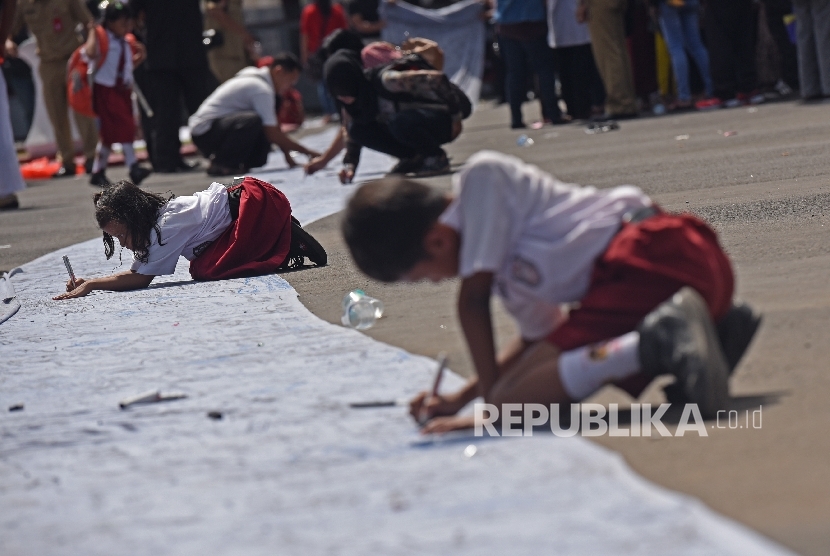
pixel 601 56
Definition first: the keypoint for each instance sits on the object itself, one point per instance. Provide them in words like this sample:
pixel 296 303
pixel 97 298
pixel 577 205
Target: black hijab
pixel 345 76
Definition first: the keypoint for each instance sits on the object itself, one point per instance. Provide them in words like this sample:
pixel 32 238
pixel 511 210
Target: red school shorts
pixel 644 265
pixel 114 108
pixel 257 241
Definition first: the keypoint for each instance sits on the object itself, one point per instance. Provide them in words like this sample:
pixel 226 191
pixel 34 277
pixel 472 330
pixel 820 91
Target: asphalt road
pixel 766 189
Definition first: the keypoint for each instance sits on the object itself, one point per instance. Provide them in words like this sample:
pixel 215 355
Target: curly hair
pixel 138 210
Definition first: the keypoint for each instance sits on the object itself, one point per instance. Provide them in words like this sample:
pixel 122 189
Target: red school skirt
pixel 645 264
pixel 114 108
pixel 258 240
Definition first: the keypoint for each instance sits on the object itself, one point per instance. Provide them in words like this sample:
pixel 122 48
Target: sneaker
pixel 139 173
pixel 679 338
pixel 407 165
pixel 733 103
pixel 735 332
pixel 303 245
pixel 65 171
pixel 99 179
pixel 709 104
pixel 434 165
pixel 751 98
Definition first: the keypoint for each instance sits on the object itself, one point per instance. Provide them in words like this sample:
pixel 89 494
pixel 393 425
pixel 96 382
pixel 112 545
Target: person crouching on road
pixel 236 125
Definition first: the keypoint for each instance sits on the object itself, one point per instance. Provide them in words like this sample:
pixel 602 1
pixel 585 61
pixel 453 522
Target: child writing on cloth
pixel 244 229
pixel 647 287
pixel 110 47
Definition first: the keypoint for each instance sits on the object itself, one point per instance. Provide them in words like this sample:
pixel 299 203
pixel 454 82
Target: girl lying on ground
pixel 243 229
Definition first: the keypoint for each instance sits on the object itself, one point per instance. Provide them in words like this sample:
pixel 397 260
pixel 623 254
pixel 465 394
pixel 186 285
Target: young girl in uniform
pixel 111 47
pixel 244 229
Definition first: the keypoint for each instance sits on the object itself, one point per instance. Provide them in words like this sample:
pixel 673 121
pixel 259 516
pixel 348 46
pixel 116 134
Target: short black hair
pixel 386 222
pixel 287 61
pixel 113 10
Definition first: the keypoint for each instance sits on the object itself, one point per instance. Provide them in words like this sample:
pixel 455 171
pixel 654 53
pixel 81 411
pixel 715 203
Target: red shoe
pixel 709 104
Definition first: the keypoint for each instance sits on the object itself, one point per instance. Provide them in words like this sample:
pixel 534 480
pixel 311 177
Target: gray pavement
pixel 766 189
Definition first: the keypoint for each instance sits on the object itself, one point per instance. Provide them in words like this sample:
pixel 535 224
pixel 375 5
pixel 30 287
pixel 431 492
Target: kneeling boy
pixel 644 287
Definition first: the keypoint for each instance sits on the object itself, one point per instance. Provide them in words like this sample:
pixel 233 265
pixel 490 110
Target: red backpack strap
pixel 103 43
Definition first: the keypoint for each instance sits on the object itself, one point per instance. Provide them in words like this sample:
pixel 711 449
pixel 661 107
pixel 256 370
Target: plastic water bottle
pixel 659 109
pixel 361 311
pixel 524 141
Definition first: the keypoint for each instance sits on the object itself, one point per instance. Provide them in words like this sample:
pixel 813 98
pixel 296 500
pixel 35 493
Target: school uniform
pixel 112 93
pixel 225 232
pixel 551 244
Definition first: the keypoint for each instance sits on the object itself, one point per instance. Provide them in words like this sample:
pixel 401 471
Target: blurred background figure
pixel 570 40
pixel 54 25
pixel 10 179
pixel 730 35
pixel 236 46
pixel 522 29
pixel 813 34
pixel 365 19
pixel 680 25
pixel 176 69
pixel 606 21
pixel 318 20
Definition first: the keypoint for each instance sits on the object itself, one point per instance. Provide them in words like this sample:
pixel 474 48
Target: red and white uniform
pixel 112 93
pixel 550 243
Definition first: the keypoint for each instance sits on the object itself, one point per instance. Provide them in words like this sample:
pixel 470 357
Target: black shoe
pixel 518 125
pixel 735 332
pixel 407 165
pixel 65 171
pixel 9 202
pixel 679 338
pixel 88 166
pixel 434 165
pixel 139 173
pixel 99 179
pixel 303 245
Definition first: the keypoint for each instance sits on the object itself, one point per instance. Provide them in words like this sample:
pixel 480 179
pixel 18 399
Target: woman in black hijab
pixel 404 109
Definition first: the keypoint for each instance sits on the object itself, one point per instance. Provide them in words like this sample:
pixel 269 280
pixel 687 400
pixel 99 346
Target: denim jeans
pixel 535 53
pixel 681 31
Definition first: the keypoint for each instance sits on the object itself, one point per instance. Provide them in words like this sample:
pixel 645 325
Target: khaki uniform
pixel 226 60
pixel 607 26
pixel 53 24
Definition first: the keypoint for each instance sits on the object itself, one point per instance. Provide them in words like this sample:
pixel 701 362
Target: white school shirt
pixel 250 90
pixel 563 28
pixel 188 225
pixel 107 73
pixel 539 236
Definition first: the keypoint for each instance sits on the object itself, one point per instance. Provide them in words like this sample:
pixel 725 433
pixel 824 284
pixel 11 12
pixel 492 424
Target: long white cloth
pixel 290 468
pixel 458 29
pixel 11 180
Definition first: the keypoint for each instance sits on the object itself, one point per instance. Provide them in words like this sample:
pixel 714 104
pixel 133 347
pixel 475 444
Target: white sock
pixel 129 154
pixel 102 155
pixel 584 370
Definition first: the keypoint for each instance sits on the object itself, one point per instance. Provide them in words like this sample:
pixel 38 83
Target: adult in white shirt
pixel 237 124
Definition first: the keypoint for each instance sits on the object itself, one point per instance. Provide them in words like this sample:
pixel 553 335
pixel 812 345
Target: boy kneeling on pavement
pixel 653 289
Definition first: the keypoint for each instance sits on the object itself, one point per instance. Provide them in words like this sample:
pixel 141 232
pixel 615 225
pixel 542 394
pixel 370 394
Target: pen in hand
pixel 423 416
pixel 69 270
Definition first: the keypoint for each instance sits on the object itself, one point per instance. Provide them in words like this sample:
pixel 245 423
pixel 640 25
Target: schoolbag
pixel 451 95
pixel 80 74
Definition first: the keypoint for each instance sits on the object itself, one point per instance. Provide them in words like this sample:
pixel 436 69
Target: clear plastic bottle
pixel 524 141
pixel 361 311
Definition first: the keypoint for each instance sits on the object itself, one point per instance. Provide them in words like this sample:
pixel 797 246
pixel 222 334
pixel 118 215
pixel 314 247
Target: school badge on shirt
pixel 525 272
